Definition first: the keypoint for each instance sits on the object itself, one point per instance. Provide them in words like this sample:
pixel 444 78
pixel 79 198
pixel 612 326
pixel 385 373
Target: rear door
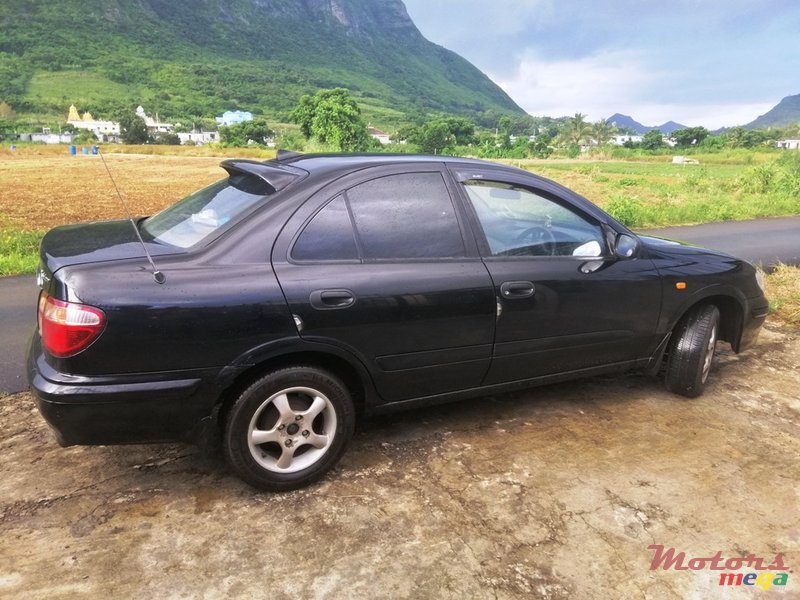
pixel 379 264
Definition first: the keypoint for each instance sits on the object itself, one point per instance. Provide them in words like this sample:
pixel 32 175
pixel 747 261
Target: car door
pixel 564 301
pixel 378 264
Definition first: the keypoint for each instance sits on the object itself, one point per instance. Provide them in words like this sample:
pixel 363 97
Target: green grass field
pixel 649 193
pixel 19 251
pixel 44 187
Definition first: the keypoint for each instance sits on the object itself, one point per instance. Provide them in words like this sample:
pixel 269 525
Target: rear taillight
pixel 68 327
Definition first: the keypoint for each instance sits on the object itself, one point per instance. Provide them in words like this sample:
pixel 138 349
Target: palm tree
pixel 602 132
pixel 577 129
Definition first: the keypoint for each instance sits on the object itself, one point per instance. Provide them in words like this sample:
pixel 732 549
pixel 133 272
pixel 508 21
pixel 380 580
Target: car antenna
pixel 157 275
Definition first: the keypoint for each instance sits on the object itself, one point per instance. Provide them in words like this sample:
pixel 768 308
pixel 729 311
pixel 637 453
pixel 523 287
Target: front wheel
pixel 692 351
pixel 289 428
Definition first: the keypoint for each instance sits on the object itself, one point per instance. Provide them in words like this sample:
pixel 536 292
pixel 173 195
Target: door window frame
pixel 539 188
pixel 297 224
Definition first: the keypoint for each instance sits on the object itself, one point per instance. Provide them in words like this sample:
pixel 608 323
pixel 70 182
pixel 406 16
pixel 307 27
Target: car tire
pixel 691 351
pixel 289 428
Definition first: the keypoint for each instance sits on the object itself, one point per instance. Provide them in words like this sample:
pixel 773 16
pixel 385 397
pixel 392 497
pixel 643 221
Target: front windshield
pixel 199 215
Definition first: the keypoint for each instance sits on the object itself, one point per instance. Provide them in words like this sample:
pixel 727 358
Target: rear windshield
pixel 198 216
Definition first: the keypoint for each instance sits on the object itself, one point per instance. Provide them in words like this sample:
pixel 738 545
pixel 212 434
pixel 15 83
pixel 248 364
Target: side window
pixel 328 236
pixel 519 222
pixel 409 215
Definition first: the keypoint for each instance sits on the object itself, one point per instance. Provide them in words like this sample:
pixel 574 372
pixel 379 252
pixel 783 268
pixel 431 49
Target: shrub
pixel 697 179
pixel 573 151
pixel 758 180
pixel 628 211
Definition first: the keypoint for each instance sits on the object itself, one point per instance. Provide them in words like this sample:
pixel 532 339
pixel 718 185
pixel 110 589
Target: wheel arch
pixel 731 316
pixel 355 378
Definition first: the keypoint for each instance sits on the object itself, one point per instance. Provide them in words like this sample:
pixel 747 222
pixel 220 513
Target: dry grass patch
pixel 42 191
pixel 783 290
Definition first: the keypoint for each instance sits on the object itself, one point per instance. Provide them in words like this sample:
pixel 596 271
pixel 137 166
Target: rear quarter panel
pixel 202 316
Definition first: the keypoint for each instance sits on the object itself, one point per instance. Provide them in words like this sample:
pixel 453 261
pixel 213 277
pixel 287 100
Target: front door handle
pixel 517 289
pixel 332 299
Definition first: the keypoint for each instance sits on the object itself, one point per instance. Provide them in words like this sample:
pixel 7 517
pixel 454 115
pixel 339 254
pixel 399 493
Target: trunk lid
pixel 94 242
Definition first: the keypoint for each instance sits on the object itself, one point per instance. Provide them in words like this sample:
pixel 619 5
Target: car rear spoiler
pixel 275 176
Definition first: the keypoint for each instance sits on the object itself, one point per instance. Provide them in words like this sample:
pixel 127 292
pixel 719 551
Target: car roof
pixel 321 163
pixel 332 165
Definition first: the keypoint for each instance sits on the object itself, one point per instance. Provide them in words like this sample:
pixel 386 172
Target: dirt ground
pixel 40 192
pixel 551 493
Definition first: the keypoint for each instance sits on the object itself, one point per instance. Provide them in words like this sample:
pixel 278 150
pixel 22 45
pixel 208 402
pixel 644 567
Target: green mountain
pixel 786 112
pixel 195 58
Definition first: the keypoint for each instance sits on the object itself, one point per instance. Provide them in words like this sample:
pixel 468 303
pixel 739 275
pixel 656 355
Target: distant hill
pixel 786 112
pixel 627 122
pixel 192 58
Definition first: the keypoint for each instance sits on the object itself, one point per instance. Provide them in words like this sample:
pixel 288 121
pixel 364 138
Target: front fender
pixel 730 300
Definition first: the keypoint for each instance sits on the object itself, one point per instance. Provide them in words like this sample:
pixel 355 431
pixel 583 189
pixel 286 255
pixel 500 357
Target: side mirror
pixel 626 246
pixel 590 249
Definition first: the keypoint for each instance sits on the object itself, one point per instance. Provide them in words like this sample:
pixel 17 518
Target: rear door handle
pixel 332 299
pixel 517 289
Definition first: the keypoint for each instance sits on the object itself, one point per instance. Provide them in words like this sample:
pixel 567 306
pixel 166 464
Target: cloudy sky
pixel 699 62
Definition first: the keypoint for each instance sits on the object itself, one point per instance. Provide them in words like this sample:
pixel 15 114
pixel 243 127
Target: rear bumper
pixel 120 409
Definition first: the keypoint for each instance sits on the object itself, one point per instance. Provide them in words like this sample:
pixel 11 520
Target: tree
pixel 332 117
pixel 736 137
pixel 255 131
pixel 303 113
pixel 433 138
pixel 6 112
pixel 440 135
pixel 540 147
pixel 602 132
pixel 739 137
pixel 653 140
pixel 132 128
pixel 6 129
pixel 168 139
pixel 84 136
pixel 462 129
pixel 689 136
pixel 504 125
pixel 577 130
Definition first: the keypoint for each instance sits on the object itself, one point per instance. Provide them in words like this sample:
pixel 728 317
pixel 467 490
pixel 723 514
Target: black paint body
pixel 399 332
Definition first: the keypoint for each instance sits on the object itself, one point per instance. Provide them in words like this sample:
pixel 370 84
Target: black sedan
pixel 272 308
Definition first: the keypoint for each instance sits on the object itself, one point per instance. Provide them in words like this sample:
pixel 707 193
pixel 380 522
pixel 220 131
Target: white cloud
pixel 598 85
pixel 615 82
pixel 445 21
pixel 699 62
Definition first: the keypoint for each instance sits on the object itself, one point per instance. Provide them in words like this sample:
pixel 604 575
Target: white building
pixel 199 138
pixel 788 144
pixel 379 135
pixel 153 125
pixel 46 137
pixel 620 140
pixel 101 129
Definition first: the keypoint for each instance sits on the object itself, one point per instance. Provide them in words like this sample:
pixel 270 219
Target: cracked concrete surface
pixel 554 492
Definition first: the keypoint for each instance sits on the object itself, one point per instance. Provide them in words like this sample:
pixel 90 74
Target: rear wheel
pixel 692 350
pixel 289 428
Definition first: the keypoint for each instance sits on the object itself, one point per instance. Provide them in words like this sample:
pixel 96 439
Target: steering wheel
pixel 539 240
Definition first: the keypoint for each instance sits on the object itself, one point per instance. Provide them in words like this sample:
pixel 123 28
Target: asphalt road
pixel 17 320
pixel 764 241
